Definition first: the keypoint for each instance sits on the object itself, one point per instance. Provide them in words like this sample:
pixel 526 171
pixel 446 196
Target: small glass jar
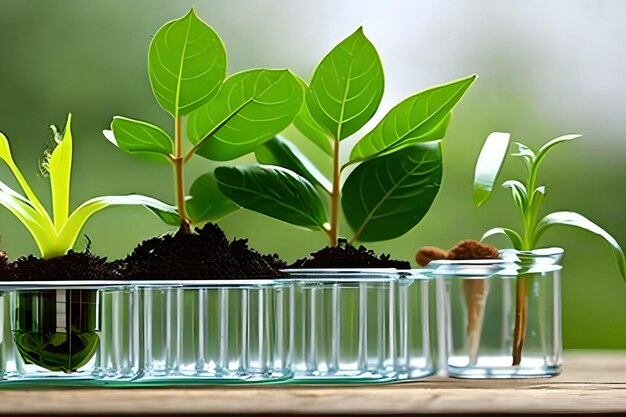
pixel 211 332
pixel 358 326
pixel 502 318
pixel 54 332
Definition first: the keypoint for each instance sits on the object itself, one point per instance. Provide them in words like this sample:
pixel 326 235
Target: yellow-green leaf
pixel 60 170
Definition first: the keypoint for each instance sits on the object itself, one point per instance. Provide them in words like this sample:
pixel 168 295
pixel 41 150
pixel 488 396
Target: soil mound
pixel 205 254
pixel 345 255
pixel 74 266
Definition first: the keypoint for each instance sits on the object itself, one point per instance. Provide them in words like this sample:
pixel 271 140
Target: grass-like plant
pixel 226 117
pixel 528 197
pixel 56 234
pixel 398 163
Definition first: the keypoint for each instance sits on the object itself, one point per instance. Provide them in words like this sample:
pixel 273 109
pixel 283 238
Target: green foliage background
pixel 546 68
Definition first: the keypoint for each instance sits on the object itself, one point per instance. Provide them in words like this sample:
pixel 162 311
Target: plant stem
pixel 179 177
pixel 334 196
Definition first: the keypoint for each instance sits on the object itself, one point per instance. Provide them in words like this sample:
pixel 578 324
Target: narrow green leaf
pixel 347 86
pixel 420 118
pixel 274 191
pixel 489 165
pixel 514 237
pixel 7 157
pixel 279 151
pixel 386 197
pixel 308 127
pixel 41 230
pixel 134 136
pixel 59 167
pixel 524 152
pixel 186 64
pixel 250 108
pixel 69 233
pixel 207 203
pixel 568 218
pixel 543 151
pixel 520 195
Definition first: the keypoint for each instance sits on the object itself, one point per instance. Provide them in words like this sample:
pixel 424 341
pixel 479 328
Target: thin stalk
pixel 521 298
pixel 334 196
pixel 179 178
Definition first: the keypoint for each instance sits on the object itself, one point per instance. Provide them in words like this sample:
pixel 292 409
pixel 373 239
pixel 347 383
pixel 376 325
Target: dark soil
pixel 204 254
pixel 70 267
pixel 345 255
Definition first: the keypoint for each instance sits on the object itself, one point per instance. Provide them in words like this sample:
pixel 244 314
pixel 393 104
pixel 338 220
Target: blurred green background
pixel 546 69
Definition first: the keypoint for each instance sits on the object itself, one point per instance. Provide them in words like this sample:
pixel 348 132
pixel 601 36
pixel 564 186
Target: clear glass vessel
pixel 118 356
pixel 358 326
pixel 502 317
pixel 210 331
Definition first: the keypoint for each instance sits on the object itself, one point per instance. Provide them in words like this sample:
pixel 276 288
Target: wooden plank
pixel 593 382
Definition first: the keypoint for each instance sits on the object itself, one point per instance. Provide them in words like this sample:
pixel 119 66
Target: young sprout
pixel 55 235
pixel 528 197
pixel 398 163
pixel 226 117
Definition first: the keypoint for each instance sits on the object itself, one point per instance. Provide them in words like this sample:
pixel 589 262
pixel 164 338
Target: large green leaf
pixel 207 203
pixel 59 166
pixel 308 127
pixel 135 136
pixel 274 191
pixel 489 165
pixel 421 118
pixel 386 197
pixel 69 233
pixel 186 64
pixel 568 218
pixel 347 86
pixel 279 151
pixel 250 108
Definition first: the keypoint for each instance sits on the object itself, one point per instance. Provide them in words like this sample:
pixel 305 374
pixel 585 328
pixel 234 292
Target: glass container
pixel 502 318
pixel 210 331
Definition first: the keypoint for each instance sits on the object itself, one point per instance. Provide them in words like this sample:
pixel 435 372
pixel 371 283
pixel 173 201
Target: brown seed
pixel 472 249
pixel 430 253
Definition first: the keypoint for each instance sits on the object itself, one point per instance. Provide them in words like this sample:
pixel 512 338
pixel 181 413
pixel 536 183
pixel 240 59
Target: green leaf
pixel 59 166
pixel 543 151
pixel 279 151
pixel 386 197
pixel 568 218
pixel 520 195
pixel 7 157
pixel 186 64
pixel 276 192
pixel 308 127
pixel 69 233
pixel 207 202
pixel 347 86
pixel 134 136
pixel 489 165
pixel 524 152
pixel 420 118
pixel 514 237
pixel 250 108
pixel 168 217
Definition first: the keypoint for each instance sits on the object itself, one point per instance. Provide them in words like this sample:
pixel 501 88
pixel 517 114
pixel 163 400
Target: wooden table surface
pixel 592 383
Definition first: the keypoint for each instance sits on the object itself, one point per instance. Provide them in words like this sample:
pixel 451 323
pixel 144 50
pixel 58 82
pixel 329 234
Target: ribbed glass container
pixel 502 318
pixel 358 326
pixel 210 332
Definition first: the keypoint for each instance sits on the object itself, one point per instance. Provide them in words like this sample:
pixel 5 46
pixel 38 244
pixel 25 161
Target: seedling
pixel 56 234
pixel 226 117
pixel 399 163
pixel 528 198
pixel 41 341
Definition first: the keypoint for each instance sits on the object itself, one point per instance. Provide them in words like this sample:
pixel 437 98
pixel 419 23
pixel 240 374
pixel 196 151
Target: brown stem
pixel 334 196
pixel 519 332
pixel 179 177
